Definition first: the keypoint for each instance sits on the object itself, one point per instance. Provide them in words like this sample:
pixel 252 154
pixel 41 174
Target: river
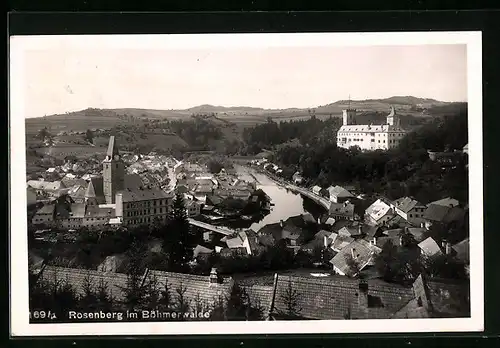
pixel 286 203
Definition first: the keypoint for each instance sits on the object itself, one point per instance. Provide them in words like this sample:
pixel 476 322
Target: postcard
pixel 246 184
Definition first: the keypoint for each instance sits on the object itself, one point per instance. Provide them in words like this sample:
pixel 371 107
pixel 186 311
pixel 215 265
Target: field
pixel 60 152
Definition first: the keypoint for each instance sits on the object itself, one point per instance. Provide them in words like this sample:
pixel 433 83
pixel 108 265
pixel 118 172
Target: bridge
pixel 218 229
pixel 325 203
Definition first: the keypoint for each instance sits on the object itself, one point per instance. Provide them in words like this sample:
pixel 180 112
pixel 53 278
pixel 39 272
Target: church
pixel 114 198
pixel 370 137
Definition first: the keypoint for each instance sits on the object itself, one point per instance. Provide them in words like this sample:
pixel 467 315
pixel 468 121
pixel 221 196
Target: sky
pixel 60 78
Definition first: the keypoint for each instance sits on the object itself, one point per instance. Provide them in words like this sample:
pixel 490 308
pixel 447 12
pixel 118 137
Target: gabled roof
pixel 429 247
pixel 341 242
pixel 336 297
pixel 236 242
pixel 322 233
pixel 342 209
pixel 339 191
pixel 358 251
pixel 417 232
pixel 144 194
pixel 46 209
pixel 396 232
pixel 447 202
pixel 200 249
pixel 462 250
pixel 435 212
pixel 132 181
pixel 113 264
pixel 378 209
pixel 406 204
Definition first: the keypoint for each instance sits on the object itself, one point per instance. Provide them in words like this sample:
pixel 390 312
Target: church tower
pixel 113 172
pixel 348 115
pixel 393 119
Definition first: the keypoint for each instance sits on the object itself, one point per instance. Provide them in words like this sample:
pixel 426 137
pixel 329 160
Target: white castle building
pixel 369 137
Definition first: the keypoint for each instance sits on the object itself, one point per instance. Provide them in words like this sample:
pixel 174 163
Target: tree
pixel 399 265
pixel 89 136
pixel 104 298
pixel 218 312
pixel 237 304
pixel 153 294
pixel 88 300
pixel 166 299
pixel 135 291
pixel 214 166
pixel 177 237
pixel 182 303
pixel 353 266
pixel 290 298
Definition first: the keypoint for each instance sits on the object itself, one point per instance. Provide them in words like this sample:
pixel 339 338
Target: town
pixel 242 239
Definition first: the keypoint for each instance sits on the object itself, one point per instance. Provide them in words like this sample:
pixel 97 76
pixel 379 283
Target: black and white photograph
pixel 246 183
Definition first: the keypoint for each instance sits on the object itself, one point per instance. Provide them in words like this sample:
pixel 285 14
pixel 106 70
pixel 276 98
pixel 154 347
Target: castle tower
pixel 348 117
pixel 113 172
pixel 91 202
pixel 393 119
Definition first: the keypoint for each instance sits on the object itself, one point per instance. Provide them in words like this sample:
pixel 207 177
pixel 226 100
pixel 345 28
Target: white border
pixel 19 45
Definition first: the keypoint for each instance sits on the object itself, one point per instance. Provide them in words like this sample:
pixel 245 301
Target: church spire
pixel 112 148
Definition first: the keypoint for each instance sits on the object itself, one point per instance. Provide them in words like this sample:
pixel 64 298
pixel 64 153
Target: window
pixel 373 140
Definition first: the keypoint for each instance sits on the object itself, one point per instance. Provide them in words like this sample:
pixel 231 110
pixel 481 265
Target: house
pixel 201 251
pixel 447 202
pixel 409 209
pixel 418 233
pixel 336 298
pixel 30 195
pixel 357 252
pixel 297 178
pixel 461 251
pixel 343 210
pixel 44 215
pixel 114 264
pixel 339 194
pixel 241 240
pixel 441 214
pixel 340 242
pixel 436 298
pixel 42 186
pixel 445 158
pixel 379 213
pixel 318 190
pixel 351 231
pixel 430 248
pixel 233 252
pixel 193 208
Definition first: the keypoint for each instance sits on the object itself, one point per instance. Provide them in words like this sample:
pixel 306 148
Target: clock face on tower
pixel 117 157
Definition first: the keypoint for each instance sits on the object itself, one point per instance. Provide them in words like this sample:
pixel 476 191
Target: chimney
pixel 213 278
pixel 374 241
pixel 363 295
pixel 282 223
pixel 325 241
pixel 352 253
